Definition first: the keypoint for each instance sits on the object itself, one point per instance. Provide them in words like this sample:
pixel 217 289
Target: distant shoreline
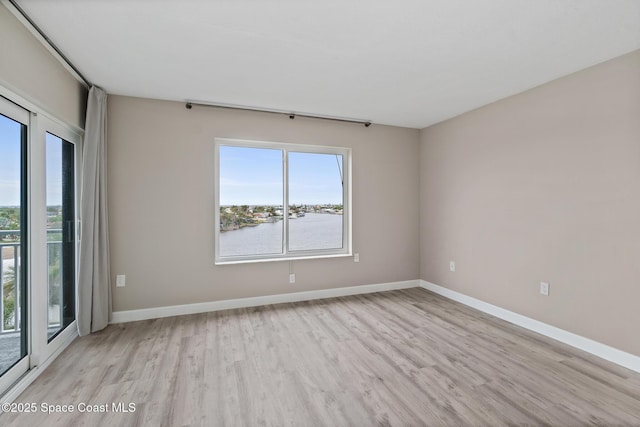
pixel 272 220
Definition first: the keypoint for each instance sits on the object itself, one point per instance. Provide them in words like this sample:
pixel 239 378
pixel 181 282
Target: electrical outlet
pixel 452 266
pixel 292 278
pixel 121 280
pixel 544 288
pixel 356 257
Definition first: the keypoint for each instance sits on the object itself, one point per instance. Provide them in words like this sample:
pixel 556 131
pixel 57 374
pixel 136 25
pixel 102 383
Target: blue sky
pixel 253 176
pixel 10 165
pixel 9 162
pixel 54 170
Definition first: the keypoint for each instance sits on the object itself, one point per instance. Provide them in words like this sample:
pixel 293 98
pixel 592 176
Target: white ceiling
pixel 404 63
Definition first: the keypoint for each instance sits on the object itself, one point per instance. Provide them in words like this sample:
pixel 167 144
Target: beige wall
pixel 28 69
pixel 161 183
pixel 543 186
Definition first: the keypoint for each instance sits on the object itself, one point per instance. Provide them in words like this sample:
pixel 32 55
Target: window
pixel 281 201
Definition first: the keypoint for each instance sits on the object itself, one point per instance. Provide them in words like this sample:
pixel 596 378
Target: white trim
pixel 204 307
pixel 13 111
pixel 37 259
pixel 13 374
pixel 285 148
pixel 39 122
pixel 35 372
pixel 24 101
pixel 41 348
pixel 298 258
pixel 604 351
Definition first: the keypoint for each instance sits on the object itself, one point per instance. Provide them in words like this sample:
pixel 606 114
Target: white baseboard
pixel 35 372
pixel 204 307
pixel 604 351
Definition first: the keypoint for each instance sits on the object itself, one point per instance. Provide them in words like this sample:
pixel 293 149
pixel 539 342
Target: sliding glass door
pixel 55 152
pixel 13 243
pixel 38 238
pixel 61 234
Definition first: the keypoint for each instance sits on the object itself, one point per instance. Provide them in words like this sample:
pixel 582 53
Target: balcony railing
pixel 10 277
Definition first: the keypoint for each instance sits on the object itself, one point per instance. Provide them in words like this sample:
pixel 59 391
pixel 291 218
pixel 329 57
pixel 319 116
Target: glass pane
pixel 60 234
pixel 315 201
pixel 251 201
pixel 12 250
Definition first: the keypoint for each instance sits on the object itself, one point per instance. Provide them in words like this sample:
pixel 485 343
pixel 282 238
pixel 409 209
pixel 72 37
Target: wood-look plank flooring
pixel 399 358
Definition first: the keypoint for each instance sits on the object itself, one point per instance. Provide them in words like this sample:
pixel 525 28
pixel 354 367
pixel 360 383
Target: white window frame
pixel 39 350
pixel 287 255
pixel 42 348
pixel 16 113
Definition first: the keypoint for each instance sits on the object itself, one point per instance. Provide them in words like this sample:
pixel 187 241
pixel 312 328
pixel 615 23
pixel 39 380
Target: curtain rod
pixel 49 42
pixel 366 123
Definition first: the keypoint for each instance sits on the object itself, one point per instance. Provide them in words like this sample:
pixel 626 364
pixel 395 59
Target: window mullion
pixel 285 198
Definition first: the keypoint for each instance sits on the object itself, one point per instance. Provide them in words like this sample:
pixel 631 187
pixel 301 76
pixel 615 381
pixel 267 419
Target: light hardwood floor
pixel 396 358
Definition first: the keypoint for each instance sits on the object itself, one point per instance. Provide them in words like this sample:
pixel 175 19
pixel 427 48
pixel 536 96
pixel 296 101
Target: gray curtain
pixel 94 285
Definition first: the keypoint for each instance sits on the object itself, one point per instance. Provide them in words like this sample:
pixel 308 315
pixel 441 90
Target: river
pixel 312 231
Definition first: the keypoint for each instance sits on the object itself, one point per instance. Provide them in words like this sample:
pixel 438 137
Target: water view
pixel 308 232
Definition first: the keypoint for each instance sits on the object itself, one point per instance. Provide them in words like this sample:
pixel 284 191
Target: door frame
pixel 18 114
pixel 40 353
pixel 41 348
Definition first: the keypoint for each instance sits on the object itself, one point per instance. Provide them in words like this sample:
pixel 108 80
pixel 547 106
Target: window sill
pixel 296 258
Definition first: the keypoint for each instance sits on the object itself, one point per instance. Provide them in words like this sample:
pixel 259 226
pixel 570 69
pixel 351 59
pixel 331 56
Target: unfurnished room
pixel 319 213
